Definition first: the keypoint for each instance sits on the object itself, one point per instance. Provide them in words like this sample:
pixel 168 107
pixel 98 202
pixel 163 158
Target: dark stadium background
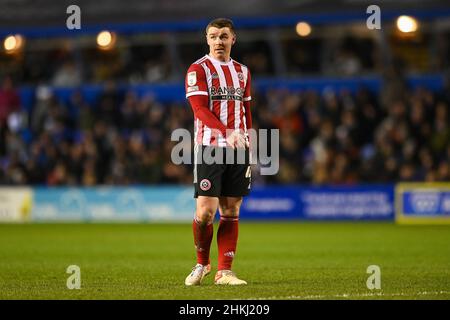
pixel 364 121
pixel 354 105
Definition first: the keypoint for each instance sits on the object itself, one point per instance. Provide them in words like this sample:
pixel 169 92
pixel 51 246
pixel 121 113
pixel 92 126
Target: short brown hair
pixel 221 23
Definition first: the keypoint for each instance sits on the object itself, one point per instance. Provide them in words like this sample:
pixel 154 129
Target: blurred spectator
pixel 9 100
pixel 9 104
pixel 156 71
pixel 68 75
pixel 107 107
pixel 347 63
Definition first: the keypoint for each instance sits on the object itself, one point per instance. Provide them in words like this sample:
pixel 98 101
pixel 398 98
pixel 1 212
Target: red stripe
pixel 215 83
pixel 230 103
pixel 216 104
pixel 238 68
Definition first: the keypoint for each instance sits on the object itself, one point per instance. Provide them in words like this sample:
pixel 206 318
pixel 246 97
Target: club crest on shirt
pixel 214 76
pixel 192 78
pixel 240 76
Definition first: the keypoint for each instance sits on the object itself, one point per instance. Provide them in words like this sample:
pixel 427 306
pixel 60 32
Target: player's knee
pixel 205 214
pixel 231 210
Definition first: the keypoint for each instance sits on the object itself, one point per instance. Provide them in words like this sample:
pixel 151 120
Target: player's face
pixel 220 42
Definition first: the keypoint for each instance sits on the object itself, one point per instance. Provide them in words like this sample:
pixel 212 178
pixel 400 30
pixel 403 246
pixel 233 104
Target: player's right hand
pixel 237 139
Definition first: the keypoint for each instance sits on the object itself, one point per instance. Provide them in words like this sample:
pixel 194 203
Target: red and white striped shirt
pixel 228 86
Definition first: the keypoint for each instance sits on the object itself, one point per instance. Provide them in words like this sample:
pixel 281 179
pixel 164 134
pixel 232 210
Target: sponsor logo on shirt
pixel 226 93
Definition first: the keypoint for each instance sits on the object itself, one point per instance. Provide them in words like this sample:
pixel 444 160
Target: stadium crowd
pixel 333 137
pixel 64 66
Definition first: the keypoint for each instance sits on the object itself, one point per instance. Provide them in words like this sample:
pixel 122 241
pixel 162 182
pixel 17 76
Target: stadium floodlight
pixel 407 24
pixel 303 29
pixel 106 40
pixel 13 43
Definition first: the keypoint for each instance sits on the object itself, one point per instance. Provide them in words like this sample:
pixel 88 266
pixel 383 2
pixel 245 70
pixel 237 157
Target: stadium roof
pixel 51 13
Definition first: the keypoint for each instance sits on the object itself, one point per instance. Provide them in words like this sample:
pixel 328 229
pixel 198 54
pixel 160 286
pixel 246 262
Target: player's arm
pixel 197 94
pixel 199 105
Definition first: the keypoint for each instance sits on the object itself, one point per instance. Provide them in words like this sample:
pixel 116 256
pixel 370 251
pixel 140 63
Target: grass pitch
pixel 279 261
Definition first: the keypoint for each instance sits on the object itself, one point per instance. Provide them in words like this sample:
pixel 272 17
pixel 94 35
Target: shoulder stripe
pixel 199 61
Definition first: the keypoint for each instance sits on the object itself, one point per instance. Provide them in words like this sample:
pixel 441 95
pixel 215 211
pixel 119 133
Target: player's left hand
pixel 237 139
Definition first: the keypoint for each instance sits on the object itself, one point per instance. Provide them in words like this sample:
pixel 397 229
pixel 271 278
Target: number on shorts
pixel 248 174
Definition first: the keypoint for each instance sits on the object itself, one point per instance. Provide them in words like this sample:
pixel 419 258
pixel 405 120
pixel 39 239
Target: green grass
pixel 278 260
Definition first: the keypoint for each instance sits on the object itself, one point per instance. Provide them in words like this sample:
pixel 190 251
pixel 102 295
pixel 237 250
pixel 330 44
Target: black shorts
pixel 221 172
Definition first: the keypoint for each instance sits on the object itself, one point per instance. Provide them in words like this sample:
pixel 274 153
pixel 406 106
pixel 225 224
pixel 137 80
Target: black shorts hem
pixel 235 195
pixel 196 195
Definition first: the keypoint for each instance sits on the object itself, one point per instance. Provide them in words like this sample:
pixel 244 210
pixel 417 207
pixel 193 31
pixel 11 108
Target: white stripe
pixel 196 93
pixel 245 73
pixel 196 128
pixel 200 60
pixel 248 98
pixel 355 295
pixel 237 103
pixel 223 103
pixel 206 136
pixel 195 162
pixel 245 123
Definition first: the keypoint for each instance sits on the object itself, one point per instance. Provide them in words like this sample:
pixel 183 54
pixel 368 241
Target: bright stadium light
pixel 303 29
pixel 407 24
pixel 106 40
pixel 13 43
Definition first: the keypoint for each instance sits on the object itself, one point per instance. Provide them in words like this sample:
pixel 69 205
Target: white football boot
pixel 198 273
pixel 227 277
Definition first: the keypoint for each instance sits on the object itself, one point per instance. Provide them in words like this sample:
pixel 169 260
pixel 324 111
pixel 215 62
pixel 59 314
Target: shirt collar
pixel 218 61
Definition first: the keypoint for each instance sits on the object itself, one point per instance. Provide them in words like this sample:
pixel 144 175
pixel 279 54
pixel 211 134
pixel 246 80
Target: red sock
pixel 203 234
pixel 227 237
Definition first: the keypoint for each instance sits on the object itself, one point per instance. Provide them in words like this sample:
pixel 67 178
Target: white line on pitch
pixel 361 295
